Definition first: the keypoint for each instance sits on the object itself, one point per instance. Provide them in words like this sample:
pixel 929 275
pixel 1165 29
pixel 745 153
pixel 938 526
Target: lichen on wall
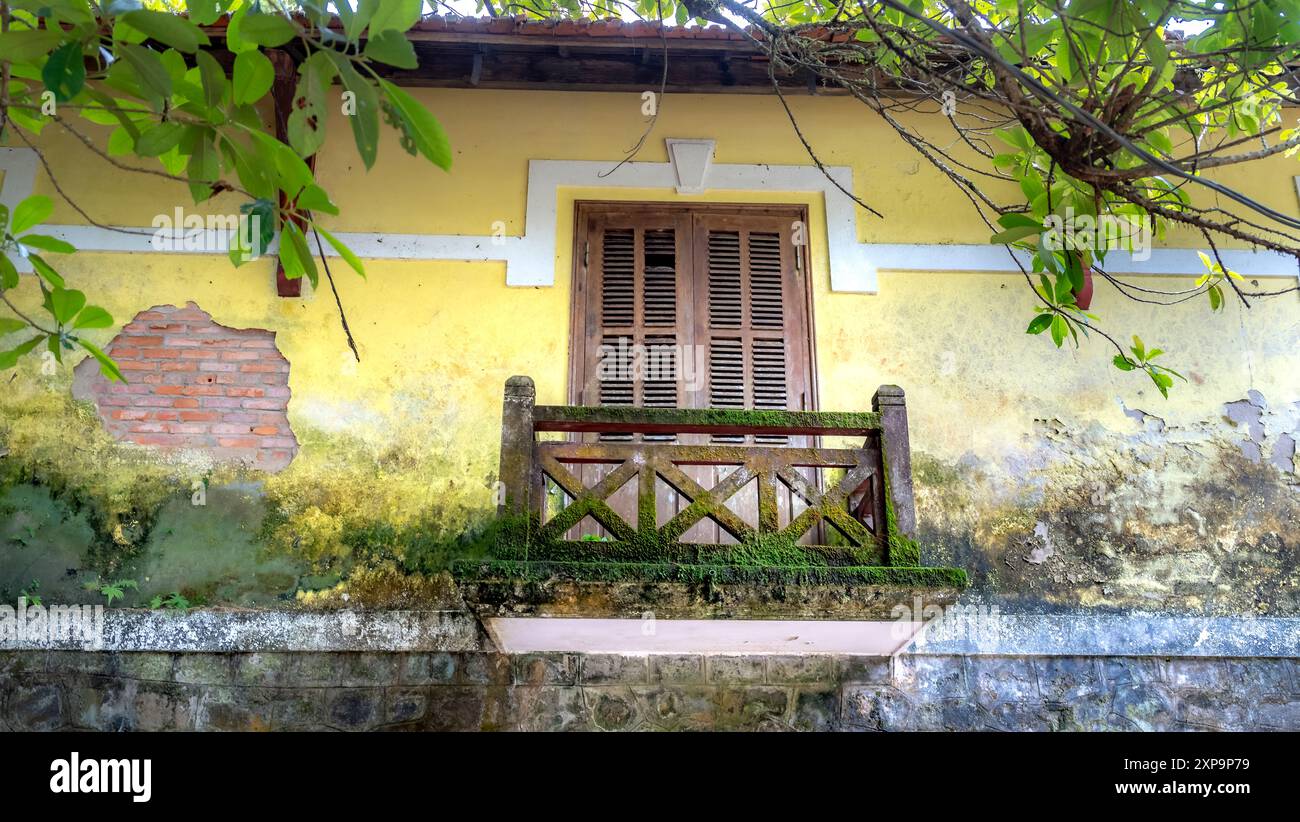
pixel 1182 518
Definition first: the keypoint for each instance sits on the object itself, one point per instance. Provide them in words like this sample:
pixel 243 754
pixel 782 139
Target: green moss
pixel 829 421
pixel 56 443
pixel 902 549
pixel 933 473
pixel 691 573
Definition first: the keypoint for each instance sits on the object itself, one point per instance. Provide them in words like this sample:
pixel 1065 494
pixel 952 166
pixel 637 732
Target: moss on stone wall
pixel 692 573
pixel 50 441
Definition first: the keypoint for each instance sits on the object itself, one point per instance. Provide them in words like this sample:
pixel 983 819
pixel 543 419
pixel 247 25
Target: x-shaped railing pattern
pixel 648 462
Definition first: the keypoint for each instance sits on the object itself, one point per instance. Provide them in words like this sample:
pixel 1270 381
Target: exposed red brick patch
pixel 196 385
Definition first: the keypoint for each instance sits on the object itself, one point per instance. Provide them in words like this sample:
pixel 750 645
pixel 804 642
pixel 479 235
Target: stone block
pixel 613 709
pixel 204 669
pixel 427 669
pixel 735 670
pixel 677 669
pixel 546 669
pixel 455 708
pixel 354 709
pixel 360 670
pixel 801 669
pixel 817 710
pixel 749 708
pixel 615 669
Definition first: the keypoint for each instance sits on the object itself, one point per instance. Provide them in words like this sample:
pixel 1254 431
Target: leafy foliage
pixel 116 589
pixel 1067 115
pixel 155 79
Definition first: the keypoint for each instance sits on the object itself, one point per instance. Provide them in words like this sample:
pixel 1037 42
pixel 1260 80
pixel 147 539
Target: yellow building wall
pixel 1008 430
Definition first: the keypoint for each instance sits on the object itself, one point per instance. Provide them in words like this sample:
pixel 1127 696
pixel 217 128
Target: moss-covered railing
pixel 868 504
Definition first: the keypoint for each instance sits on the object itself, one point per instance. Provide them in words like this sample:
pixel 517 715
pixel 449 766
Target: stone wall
pixel 49 690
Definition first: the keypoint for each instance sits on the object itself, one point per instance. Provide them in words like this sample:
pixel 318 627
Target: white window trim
pixel 532 260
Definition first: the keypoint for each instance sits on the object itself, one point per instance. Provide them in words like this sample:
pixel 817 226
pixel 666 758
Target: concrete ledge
pixel 220 631
pixel 1136 634
pixel 1130 635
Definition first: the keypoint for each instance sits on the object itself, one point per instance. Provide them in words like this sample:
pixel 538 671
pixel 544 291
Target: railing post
pixel 896 454
pixel 516 445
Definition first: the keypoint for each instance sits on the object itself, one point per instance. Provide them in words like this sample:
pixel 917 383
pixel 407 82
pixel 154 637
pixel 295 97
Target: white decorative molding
pixel 532 260
pixel 1182 262
pixel 691 160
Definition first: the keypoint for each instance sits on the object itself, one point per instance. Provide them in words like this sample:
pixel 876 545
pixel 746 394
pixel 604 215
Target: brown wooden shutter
pixel 637 310
pixel 752 315
pixel 666 279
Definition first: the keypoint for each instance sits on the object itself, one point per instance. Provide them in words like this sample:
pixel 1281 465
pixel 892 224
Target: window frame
pixel 584 210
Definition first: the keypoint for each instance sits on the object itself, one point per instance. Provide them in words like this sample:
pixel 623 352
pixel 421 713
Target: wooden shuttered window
pixel 691 307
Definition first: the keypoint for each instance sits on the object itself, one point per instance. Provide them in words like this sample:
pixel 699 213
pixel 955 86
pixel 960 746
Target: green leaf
pixel 47 243
pixel 423 128
pixel 1016 220
pixel 29 45
pixel 392 48
pixel 65 72
pixel 235 41
pixel 106 366
pixel 362 110
pixel 8 274
pixel 92 316
pixel 205 12
pixel 1074 271
pixel 159 139
pixel 1138 349
pixel 65 303
pixel 213 77
pixel 45 270
pixel 9 325
pixel 291 171
pixel 120 143
pixel 1032 186
pixel 309 114
pixel 1059 330
pixel 1039 324
pixel 1049 259
pixel 168 29
pixel 148 68
pixel 295 255
pixel 254 75
pixel 1013 234
pixel 1216 297
pixel 32 211
pixel 314 198
pixel 1163 382
pixel 346 253
pixel 8 359
pixel 395 15
pixel 267 30
pixel 1122 363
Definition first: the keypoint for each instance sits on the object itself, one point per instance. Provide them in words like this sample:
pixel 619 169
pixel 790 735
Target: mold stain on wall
pixel 1188 519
